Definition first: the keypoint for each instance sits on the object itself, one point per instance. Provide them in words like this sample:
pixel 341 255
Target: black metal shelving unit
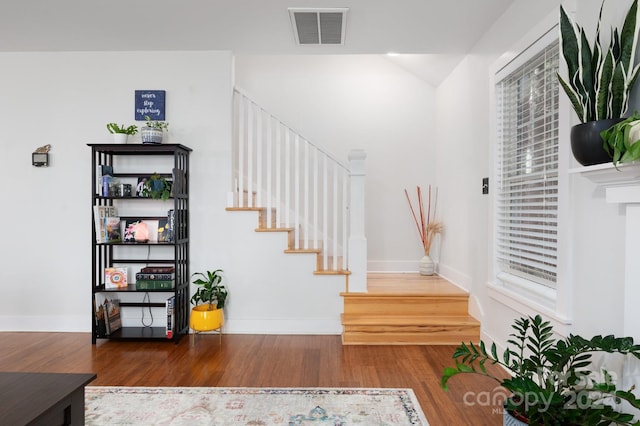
pixel 103 253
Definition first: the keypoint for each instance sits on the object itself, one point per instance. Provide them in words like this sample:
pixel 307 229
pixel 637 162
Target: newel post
pixel 357 238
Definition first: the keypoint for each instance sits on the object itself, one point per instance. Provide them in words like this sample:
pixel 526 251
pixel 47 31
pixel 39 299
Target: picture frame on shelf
pixel 116 278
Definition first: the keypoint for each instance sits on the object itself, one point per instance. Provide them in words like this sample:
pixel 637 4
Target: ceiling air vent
pixel 318 26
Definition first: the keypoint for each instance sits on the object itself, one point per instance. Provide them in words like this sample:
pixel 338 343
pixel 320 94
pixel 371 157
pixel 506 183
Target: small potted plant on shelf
pixel 550 381
pixel 156 186
pixel 153 130
pixel 121 133
pixel 209 300
pixel 599 82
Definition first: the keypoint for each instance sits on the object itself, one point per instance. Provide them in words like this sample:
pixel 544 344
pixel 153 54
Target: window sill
pixel 529 300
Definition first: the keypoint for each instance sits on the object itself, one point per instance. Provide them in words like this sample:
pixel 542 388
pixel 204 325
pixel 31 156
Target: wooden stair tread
pixel 245 209
pixel 404 295
pixel 410 283
pixel 301 250
pixel 340 272
pixel 275 229
pixel 418 338
pixel 373 320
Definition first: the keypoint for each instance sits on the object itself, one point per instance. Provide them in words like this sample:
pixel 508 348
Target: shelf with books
pixel 131 288
pixel 130 235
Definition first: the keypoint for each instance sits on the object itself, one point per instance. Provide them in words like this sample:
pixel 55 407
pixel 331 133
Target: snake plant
pixel 599 80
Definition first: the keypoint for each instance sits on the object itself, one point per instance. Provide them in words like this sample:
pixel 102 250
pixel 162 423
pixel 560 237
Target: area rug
pixel 105 405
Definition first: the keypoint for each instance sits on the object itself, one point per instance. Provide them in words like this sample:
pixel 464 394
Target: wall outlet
pixel 485 186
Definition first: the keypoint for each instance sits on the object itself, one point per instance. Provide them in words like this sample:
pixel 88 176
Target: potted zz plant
pixel 600 80
pixel 209 300
pixel 121 133
pixel 551 383
pixel 153 130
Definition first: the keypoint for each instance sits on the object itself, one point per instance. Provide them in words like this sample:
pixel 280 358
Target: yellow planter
pixel 203 319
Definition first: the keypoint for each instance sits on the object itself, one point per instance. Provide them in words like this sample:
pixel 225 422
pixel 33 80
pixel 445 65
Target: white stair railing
pixel 301 185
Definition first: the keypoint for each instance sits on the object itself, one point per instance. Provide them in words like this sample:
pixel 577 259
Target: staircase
pixel 299 188
pixel 408 309
pixel 322 268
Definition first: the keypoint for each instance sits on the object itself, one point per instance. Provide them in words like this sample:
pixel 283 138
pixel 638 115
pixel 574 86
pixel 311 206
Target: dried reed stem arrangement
pixel 427 226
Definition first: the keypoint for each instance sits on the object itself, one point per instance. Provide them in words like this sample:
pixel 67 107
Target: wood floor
pixel 259 361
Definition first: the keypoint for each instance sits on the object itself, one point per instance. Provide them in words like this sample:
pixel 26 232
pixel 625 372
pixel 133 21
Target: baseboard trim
pixel 53 324
pixel 454 276
pixel 393 265
pixel 80 324
pixel 283 326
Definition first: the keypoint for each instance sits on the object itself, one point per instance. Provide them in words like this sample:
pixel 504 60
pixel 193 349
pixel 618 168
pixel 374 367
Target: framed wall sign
pixel 151 103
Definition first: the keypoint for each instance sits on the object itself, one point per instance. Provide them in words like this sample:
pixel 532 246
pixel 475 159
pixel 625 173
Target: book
pixel 113 233
pixel 179 182
pixel 163 231
pixel 171 224
pixel 155 284
pixel 107 185
pixel 100 318
pixel 101 171
pixel 115 278
pixel 155 276
pixel 113 319
pixel 100 213
pixel 170 307
pixel 158 269
pixel 140 187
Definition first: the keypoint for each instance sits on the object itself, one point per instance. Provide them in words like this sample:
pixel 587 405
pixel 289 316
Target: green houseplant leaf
pixel 210 289
pixel 548 376
pixel 114 128
pixel 599 83
pixel 620 140
pixel 157 187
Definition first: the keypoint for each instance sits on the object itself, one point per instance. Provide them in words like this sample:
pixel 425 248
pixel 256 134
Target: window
pixel 526 202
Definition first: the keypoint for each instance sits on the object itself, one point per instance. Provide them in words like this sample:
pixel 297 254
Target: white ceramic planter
pixel 427 267
pixel 120 137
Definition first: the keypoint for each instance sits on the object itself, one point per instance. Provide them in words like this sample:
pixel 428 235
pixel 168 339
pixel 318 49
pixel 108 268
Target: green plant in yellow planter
pixel 209 300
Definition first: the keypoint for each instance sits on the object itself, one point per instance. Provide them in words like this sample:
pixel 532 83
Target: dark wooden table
pixel 42 398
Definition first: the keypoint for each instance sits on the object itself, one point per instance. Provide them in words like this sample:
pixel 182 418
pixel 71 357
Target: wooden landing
pixel 408 309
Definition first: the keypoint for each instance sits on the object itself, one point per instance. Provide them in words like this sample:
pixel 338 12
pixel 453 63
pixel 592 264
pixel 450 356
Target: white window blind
pixel 527 168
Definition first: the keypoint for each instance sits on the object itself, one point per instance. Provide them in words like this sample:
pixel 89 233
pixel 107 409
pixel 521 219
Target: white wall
pixel 595 230
pixel 463 102
pixel 65 99
pixel 359 102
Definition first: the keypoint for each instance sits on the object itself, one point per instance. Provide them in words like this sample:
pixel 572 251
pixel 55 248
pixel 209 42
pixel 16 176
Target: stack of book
pixel 171 320
pixel 156 278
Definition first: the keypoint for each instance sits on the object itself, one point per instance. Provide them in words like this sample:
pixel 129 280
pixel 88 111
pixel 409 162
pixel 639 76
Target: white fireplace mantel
pixel 622 186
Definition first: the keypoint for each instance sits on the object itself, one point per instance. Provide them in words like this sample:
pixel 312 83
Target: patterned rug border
pixel 407 395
